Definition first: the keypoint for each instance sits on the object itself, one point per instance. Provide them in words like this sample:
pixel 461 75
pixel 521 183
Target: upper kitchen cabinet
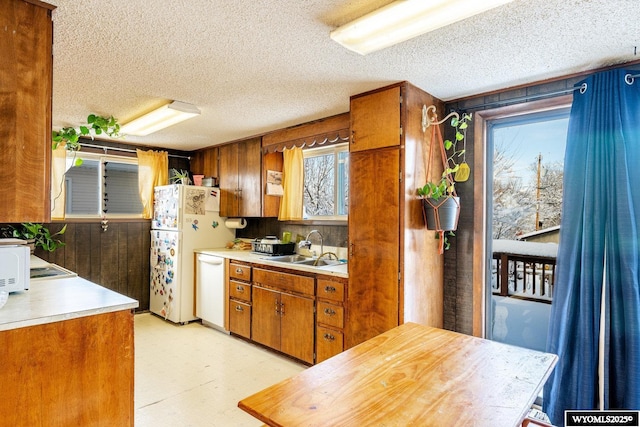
pixel 375 120
pixel 205 162
pixel 240 178
pixel 25 110
pixel 395 269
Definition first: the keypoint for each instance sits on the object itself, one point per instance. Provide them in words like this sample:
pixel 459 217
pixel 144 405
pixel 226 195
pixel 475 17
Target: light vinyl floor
pixel 193 375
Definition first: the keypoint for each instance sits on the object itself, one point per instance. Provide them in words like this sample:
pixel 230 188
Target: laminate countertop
pixel 55 300
pixel 339 270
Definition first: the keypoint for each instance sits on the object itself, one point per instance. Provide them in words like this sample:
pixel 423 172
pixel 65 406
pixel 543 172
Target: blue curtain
pixel 599 241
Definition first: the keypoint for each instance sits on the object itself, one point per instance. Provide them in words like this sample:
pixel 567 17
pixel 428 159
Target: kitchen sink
pixel 320 262
pixel 304 260
pixel 289 258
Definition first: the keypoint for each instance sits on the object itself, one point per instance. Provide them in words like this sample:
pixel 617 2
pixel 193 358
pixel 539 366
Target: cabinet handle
pixel 329 289
pixel 329 337
pixel 351 248
pixel 353 137
pixel 239 271
pixel 329 312
pixel 281 309
pixel 240 288
pixel 239 308
pixel 240 193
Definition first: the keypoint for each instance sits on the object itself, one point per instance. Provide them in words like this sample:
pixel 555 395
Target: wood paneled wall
pixel 117 258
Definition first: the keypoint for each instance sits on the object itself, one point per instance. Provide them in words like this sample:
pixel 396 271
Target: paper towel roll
pixel 236 223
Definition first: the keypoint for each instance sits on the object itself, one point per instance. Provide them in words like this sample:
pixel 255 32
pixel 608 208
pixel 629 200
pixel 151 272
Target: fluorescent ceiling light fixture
pixel 165 116
pixel 405 19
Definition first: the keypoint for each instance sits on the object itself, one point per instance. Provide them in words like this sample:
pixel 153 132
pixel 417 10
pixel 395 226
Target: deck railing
pixel 523 276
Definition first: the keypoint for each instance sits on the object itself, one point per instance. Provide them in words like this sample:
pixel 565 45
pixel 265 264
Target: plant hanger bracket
pixel 435 130
pixel 430 117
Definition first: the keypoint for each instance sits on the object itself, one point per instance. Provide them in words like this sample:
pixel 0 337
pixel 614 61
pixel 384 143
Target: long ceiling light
pixel 405 19
pixel 161 118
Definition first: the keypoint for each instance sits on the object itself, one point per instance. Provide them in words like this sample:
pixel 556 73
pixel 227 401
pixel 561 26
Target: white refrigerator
pixel 185 218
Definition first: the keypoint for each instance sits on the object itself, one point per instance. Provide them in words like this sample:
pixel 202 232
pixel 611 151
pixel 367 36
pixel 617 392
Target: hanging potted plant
pixel 440 203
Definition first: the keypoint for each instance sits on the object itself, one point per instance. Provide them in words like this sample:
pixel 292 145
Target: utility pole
pixel 538 193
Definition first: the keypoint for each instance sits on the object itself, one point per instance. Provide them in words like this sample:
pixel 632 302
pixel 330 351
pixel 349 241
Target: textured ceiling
pixel 253 66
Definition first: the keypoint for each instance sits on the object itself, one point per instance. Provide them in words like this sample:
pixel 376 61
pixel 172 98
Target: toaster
pixel 14 268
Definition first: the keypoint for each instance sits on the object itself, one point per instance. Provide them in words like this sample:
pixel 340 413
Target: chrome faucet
pixel 307 243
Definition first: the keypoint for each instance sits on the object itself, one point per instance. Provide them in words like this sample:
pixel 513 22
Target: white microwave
pixel 14 268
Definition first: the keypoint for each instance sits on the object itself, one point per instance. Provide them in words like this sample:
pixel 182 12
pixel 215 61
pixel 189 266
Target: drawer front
pixel 240 271
pixel 240 318
pixel 240 290
pixel 329 289
pixel 285 281
pixel 330 314
pixel 328 343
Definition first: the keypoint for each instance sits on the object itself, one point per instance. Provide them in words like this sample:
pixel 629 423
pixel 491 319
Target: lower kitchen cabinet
pixel 329 342
pixel 283 322
pixel 284 312
pixel 75 372
pixel 240 318
pixel 330 318
pixel 239 291
pixel 300 315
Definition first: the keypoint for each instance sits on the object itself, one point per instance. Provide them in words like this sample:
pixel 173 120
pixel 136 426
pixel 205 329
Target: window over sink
pixel 326 182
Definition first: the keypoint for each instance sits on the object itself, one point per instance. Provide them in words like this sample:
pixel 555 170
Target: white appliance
pixel 14 267
pixel 211 298
pixel 185 218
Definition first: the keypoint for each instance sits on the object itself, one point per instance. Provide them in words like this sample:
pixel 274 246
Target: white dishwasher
pixel 211 298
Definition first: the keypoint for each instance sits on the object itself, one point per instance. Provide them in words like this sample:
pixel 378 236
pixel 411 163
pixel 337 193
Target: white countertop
pixel 339 270
pixel 55 300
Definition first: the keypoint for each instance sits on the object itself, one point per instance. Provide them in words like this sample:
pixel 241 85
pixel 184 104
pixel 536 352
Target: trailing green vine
pixel 96 125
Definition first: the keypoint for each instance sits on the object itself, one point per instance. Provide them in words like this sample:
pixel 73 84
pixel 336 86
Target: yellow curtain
pixel 59 167
pixel 153 170
pixel 293 185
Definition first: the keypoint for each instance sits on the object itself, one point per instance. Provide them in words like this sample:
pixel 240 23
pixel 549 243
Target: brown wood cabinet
pixel 283 313
pixel 74 372
pixel 25 110
pixel 330 317
pixel 240 179
pixel 240 298
pixel 395 269
pixel 205 162
pixel 375 120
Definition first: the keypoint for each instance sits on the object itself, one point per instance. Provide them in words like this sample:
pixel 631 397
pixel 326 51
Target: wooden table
pixel 412 375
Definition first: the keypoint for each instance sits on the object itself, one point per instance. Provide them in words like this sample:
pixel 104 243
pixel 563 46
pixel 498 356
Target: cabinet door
pixel 297 327
pixel 375 120
pixel 374 239
pixel 265 325
pixel 250 178
pixel 205 162
pixel 25 111
pixel 228 180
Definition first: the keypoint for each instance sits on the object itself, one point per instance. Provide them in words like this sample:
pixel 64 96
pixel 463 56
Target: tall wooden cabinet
pixel 395 269
pixel 25 110
pixel 240 178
